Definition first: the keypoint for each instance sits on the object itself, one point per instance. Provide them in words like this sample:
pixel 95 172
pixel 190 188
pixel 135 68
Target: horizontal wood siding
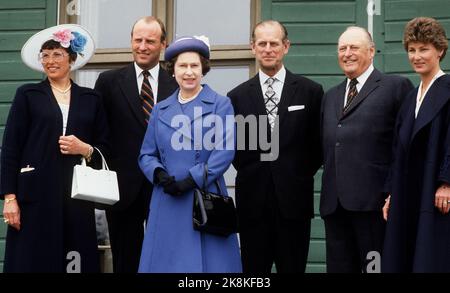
pixel 19 19
pixel 396 14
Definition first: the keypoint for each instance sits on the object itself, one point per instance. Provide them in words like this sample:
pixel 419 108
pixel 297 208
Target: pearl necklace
pixel 62 92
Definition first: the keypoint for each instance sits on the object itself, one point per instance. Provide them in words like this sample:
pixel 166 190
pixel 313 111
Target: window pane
pixel 87 77
pixel 223 79
pixel 225 22
pixel 110 21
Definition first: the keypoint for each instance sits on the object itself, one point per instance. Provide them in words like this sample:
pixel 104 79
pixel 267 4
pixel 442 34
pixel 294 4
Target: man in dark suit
pixel 127 112
pixel 358 118
pixel 275 197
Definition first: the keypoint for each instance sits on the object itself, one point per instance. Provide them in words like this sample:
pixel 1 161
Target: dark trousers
pixel 273 238
pixel 126 233
pixel 350 236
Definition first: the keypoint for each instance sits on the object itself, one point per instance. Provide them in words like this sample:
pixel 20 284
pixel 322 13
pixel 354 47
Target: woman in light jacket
pixel 180 140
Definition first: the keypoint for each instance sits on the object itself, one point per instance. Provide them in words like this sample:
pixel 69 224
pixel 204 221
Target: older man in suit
pixel 275 197
pixel 129 94
pixel 358 118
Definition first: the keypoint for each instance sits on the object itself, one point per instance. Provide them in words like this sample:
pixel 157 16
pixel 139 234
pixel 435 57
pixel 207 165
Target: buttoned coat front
pixel 170 243
pixel 357 144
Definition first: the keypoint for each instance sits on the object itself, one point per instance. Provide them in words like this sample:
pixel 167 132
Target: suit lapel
pixel 339 100
pixel 45 86
pixel 128 85
pixel 201 106
pixel 289 89
pixel 166 85
pixel 408 121
pixel 194 111
pixel 256 96
pixel 369 86
pixel 169 110
pixel 74 106
pixel 433 102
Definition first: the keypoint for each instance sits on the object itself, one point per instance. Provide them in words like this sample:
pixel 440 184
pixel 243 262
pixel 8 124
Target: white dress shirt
pixel 278 84
pixel 65 114
pixel 153 79
pixel 420 97
pixel 361 81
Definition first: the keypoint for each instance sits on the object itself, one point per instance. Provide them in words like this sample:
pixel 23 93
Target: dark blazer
pixel 52 224
pixel 417 234
pixel 299 149
pixel 127 124
pixel 357 145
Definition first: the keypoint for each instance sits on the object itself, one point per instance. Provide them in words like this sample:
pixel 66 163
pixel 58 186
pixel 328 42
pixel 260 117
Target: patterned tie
pixel 271 101
pixel 352 93
pixel 147 96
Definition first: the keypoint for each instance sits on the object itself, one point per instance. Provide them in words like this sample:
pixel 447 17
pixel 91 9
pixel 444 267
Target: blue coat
pixel 170 243
pixel 417 235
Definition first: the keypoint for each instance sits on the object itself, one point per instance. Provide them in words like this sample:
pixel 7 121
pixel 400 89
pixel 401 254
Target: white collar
pixel 280 75
pixel 421 96
pixel 154 72
pixel 185 101
pixel 438 74
pixel 363 77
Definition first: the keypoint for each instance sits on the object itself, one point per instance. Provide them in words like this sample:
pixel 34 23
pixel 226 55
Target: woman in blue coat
pixel 185 132
pixel 50 127
pixel 418 221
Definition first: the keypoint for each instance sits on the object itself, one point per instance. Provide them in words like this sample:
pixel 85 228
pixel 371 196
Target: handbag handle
pixel 205 180
pixel 104 164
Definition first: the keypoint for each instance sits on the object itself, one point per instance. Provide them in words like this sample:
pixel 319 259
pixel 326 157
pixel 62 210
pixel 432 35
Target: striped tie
pixel 352 93
pixel 147 96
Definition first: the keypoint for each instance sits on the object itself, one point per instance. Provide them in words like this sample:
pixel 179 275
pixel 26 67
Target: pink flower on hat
pixel 63 36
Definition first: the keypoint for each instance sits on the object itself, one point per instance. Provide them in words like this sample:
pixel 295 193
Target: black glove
pixel 162 178
pixel 180 187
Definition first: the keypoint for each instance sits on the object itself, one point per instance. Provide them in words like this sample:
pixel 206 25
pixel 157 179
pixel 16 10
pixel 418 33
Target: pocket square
pixel 26 169
pixel 296 108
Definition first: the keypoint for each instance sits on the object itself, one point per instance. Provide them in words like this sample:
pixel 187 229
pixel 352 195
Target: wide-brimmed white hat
pixel 31 49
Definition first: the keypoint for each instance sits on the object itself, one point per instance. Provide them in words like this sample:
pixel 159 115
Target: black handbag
pixel 213 213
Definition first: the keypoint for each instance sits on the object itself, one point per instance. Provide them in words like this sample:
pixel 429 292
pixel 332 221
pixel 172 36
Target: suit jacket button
pixel 339 125
pixel 338 144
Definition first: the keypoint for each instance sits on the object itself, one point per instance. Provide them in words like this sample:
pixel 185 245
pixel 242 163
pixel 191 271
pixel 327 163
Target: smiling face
pixel 188 73
pixel 269 47
pixel 146 43
pixel 424 58
pixel 355 52
pixel 56 63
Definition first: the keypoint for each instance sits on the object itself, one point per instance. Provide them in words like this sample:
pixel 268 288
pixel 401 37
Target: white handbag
pixel 99 186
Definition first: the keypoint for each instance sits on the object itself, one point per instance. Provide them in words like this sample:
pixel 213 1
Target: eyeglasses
pixel 56 56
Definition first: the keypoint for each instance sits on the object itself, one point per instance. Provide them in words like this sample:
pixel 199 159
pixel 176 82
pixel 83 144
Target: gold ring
pixel 6 221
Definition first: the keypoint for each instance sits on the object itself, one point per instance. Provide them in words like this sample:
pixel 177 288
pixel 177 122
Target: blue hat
pixel 188 44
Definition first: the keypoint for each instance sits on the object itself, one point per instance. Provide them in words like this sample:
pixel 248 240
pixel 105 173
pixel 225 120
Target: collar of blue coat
pixel 200 107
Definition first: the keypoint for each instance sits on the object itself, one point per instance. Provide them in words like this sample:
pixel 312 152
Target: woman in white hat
pixel 50 127
pixel 174 156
